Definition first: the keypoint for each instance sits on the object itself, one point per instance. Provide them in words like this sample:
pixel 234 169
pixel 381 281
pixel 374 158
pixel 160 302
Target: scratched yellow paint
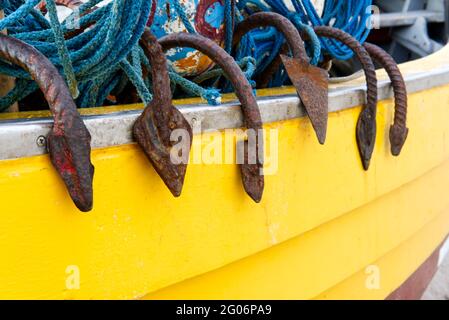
pixel 333 217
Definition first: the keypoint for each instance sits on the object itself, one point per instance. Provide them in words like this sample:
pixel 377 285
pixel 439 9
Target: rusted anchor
pixel 252 176
pixel 366 125
pixel 69 140
pixel 154 128
pixel 310 82
pixel 399 130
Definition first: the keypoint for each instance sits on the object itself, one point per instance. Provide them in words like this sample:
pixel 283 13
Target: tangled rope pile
pixel 104 57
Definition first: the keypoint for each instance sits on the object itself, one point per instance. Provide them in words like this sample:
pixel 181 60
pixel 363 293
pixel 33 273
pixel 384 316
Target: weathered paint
pixel 207 18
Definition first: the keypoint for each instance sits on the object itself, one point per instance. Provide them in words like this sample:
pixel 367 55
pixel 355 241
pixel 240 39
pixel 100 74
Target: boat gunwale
pixel 115 129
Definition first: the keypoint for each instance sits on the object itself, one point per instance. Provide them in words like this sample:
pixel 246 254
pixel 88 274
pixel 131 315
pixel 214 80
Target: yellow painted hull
pixel 323 229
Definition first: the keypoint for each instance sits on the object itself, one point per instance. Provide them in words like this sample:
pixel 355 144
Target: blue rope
pixel 351 16
pixel 4 4
pixel 229 24
pixel 183 16
pixel 91 58
pixel 137 81
pixel 212 96
pixel 62 48
pixel 18 14
pixel 263 45
pixel 314 39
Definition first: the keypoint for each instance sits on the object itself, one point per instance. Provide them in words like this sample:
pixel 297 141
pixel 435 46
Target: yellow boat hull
pixel 326 229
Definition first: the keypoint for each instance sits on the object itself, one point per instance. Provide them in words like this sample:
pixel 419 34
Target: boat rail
pixel 25 137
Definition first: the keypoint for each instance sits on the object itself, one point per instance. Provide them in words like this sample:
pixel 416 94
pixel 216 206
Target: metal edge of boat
pixel 116 129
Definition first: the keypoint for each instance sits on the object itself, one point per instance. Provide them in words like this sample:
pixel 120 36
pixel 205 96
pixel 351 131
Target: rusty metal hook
pixel 366 125
pixel 69 140
pixel 310 82
pixel 252 176
pixel 399 130
pixel 154 128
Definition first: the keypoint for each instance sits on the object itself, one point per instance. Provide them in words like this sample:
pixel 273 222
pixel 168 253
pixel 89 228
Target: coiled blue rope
pixel 62 48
